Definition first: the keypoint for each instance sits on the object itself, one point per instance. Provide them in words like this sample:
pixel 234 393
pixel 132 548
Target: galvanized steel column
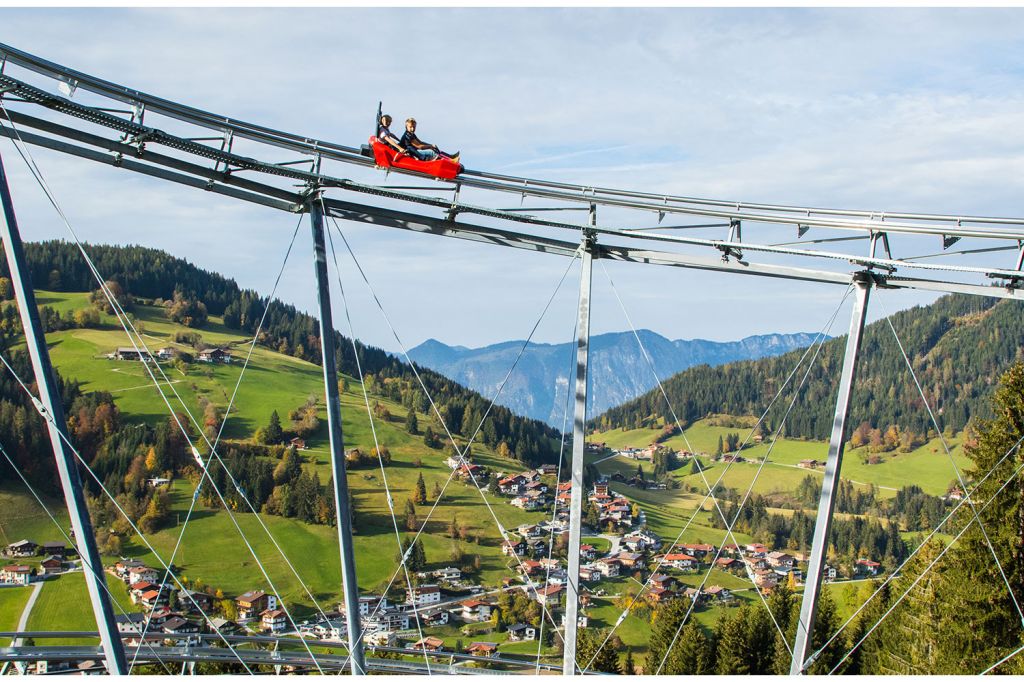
pixel 823 523
pixel 67 470
pixel 348 563
pixel 578 435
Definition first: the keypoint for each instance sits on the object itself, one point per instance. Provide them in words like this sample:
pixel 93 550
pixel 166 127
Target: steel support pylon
pixel 579 430
pixel 826 505
pixel 67 469
pixel 348 563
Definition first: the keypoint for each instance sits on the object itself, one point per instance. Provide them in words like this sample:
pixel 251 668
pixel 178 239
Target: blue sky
pixel 880 109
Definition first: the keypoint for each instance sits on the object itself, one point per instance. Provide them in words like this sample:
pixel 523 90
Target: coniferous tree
pixel 411 423
pixel 419 495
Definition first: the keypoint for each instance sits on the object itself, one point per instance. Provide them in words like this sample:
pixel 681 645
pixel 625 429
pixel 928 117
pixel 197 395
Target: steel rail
pixel 808 216
pixel 213 177
pixel 206 179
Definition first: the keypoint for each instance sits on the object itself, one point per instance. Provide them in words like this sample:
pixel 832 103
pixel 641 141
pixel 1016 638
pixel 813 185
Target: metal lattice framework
pixel 862 251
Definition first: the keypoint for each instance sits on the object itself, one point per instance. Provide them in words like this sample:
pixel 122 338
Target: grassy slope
pixel 12 603
pixel 212 550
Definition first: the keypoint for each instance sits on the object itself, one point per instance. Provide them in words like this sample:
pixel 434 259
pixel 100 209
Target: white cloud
pixel 881 109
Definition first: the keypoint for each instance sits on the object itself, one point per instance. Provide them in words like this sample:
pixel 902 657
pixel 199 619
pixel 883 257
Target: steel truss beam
pixel 801 216
pixel 833 465
pixel 273 197
pixel 50 403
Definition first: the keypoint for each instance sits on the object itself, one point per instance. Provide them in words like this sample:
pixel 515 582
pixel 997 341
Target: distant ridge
pixel 619 371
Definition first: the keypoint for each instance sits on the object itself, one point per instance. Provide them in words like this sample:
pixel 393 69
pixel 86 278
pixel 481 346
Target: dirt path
pixel 27 611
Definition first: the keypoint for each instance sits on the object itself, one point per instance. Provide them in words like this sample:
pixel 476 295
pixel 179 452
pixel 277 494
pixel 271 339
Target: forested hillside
pixel 959 346
pixel 156 275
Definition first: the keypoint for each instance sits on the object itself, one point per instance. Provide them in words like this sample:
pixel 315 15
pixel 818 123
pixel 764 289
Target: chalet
pixel 122 567
pixel 223 626
pixel 189 599
pixel 780 559
pixel 253 603
pixel 298 443
pixel 482 649
pixel 665 582
pixel 529 530
pixel 726 563
pixel 472 471
pixel 587 552
pixel 756 563
pixel 530 567
pixel 520 632
pixel 600 489
pixel 152 598
pixel 16 575
pixel 511 485
pixel 423 595
pixel 756 549
pixel 766 579
pixel 632 560
pixel 273 620
pixel 809 464
pixel 452 462
pixel 718 593
pixel 138 640
pixel 733 458
pixel 589 574
pixel 158 482
pixel 550 564
pixel 178 626
pixel 596 447
pixel 140 573
pixel 547 470
pixel 474 610
pixel 51 565
pixel 22 548
pixel 828 573
pixel 448 573
pixel 140 588
pixel 608 567
pixel 57 549
pixel 432 616
pixel 131 622
pixel 167 353
pixel 659 595
pixel 429 644
pixel 381 638
pixel 681 561
pixel 700 550
pixel 867 567
pixel 550 595
pixel 695 595
pixel 159 615
pixel 214 355
pixel 527 502
pixel 529 476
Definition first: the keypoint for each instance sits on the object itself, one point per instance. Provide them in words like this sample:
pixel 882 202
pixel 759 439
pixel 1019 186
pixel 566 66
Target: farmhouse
pixel 781 559
pixel 215 355
pixel 700 551
pixel 51 565
pixel 867 567
pixel 125 353
pixel 809 464
pixel 22 548
pixel 550 595
pixel 179 626
pixel 16 575
pixel 718 593
pixel 56 549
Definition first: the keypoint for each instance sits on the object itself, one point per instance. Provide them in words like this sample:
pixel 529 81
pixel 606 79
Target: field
pixel 12 603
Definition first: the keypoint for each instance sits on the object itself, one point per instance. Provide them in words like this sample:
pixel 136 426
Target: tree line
pixel 958 346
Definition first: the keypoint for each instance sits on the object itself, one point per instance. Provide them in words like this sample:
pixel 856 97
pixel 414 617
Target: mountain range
pixel 619 372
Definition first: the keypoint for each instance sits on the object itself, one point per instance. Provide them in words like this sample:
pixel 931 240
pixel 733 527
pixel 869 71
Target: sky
pixel 914 109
